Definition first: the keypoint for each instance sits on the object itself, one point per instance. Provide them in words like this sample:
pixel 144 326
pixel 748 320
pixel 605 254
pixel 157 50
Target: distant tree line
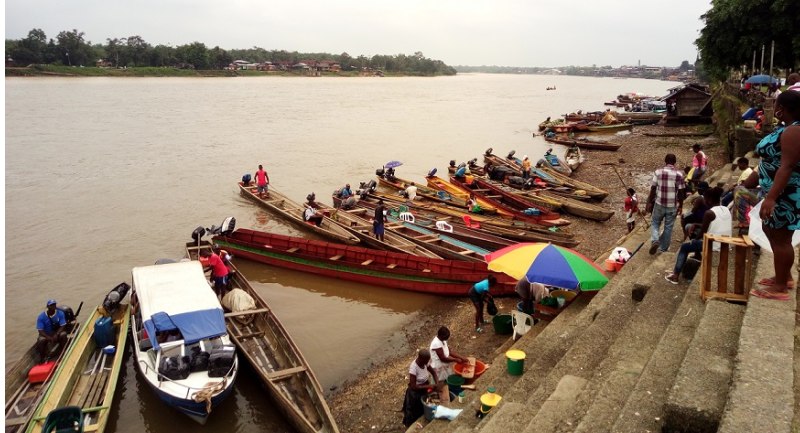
pixel 735 28
pixel 72 48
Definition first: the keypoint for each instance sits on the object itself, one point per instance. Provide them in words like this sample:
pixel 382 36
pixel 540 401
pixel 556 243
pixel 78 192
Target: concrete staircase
pixel 668 363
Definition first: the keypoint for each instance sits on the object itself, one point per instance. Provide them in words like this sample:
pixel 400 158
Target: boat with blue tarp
pixel 181 344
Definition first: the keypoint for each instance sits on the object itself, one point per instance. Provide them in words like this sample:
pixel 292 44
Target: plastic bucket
pixel 618 266
pixel 502 324
pixel 428 409
pixel 454 382
pixel 515 362
pixel 611 265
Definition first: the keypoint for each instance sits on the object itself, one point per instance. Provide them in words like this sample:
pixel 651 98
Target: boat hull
pixel 352 263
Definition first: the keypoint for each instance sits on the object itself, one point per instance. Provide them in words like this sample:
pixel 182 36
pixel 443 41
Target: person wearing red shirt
pixel 219 272
pixel 262 181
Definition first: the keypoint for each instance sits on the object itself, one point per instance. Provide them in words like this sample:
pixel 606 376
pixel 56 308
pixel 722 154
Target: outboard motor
pixel 311 197
pixel 115 296
pixel 389 173
pixel 511 154
pixel 452 163
pixel 472 162
pixel 462 165
pixel 371 186
pixel 488 151
pixel 432 172
pixel 69 315
pixel 380 172
pixel 198 234
pixel 227 226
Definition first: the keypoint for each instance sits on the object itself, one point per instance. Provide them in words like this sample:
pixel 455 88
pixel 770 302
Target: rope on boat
pixel 208 391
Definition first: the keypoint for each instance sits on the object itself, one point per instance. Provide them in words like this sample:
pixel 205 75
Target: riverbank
pixel 80 71
pixel 372 401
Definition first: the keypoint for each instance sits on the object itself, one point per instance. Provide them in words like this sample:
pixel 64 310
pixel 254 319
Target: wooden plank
pixel 250 335
pixel 245 313
pixel 292 250
pixel 283 374
pixel 336 257
pixel 722 268
pixel 467 252
pixel 366 262
pixel 391 265
pixel 705 268
pixel 740 268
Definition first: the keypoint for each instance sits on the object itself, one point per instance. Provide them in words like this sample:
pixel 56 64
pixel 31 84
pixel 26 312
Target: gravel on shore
pixel 371 402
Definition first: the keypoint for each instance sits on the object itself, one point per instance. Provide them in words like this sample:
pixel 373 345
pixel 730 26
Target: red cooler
pixel 40 372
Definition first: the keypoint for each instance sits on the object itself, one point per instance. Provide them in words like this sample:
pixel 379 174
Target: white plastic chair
pixel 521 322
pixel 407 217
pixel 443 226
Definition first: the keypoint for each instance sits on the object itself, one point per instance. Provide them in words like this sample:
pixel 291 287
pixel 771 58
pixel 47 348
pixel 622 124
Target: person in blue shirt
pixel 51 325
pixel 478 293
pixel 345 192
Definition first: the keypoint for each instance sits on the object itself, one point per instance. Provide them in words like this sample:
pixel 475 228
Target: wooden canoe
pixel 504 228
pixel 507 209
pixel 573 157
pixel 609 128
pixel 591 190
pixel 86 377
pixel 584 143
pixel 444 245
pixel 363 265
pixel 505 198
pixel 276 359
pixel 473 166
pixel 442 185
pixel 22 397
pixel 578 207
pixel 556 163
pixel 292 211
pixel 454 229
pixel 359 223
pixel 432 194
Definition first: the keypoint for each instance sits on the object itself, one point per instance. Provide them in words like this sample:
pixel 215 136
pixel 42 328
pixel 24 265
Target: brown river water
pixel 104 174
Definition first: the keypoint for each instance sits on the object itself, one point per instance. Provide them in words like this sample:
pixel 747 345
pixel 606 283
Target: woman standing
pixel 779 178
pixel 442 359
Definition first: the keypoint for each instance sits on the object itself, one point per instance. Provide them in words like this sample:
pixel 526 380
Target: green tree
pixel 31 49
pixel 73 49
pixel 137 51
pixel 219 58
pixel 162 55
pixel 194 55
pixel 735 28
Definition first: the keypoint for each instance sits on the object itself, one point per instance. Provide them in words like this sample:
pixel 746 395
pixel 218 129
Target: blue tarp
pixel 194 325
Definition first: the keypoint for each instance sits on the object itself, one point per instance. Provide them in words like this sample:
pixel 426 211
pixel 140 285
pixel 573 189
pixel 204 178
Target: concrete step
pixel 545 349
pixel 556 391
pixel 697 399
pixel 599 406
pixel 643 409
pixel 762 397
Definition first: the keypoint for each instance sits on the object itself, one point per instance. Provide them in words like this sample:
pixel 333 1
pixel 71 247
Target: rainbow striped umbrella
pixel 548 264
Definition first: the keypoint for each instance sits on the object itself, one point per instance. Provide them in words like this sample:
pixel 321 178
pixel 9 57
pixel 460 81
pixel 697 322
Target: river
pixel 104 174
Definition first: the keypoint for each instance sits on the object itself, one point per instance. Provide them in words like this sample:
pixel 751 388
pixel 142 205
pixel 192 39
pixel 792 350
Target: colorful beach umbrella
pixel 548 264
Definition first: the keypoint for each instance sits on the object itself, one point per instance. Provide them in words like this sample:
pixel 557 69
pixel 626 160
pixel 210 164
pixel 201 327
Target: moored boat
pixel 25 388
pixel 502 227
pixel 442 244
pixel 574 157
pixel 354 263
pixel 591 190
pixel 86 377
pixel 442 185
pixel 293 212
pixel 584 143
pixel 273 355
pixel 506 198
pixel 609 128
pixel 555 163
pixel 176 315
pixel 360 224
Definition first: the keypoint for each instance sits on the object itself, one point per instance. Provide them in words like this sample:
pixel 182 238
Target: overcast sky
pixel 458 32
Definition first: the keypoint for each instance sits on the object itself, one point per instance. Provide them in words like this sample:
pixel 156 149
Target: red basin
pixel 480 368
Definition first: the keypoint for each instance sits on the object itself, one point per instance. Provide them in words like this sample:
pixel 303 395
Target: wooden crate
pixel 742 273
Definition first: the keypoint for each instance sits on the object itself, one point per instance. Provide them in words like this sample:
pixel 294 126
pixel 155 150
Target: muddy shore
pixel 371 402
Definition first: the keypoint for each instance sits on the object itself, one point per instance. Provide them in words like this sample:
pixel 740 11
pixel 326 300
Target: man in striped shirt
pixel 667 192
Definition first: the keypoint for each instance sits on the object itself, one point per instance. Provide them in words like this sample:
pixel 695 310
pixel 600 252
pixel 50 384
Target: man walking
pixel 667 192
